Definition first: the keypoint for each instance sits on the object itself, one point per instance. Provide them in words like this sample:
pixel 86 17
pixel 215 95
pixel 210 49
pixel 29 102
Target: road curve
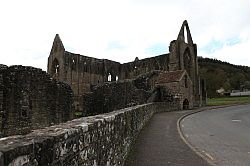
pixel 159 144
pixel 221 135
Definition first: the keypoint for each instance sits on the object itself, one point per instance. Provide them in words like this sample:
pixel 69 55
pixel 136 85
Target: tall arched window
pixel 187 61
pixel 73 64
pixel 85 68
pixel 55 67
pixel 109 77
pixel 186 81
pixel 185 35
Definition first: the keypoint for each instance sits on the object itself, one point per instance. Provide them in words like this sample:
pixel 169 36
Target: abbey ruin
pixel 122 96
pixel 177 72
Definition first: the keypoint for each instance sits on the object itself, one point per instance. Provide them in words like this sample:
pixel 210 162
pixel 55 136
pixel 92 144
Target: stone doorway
pixel 185 104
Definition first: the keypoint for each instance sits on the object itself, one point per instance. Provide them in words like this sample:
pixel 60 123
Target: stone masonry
pixel 121 94
pixel 97 140
pixel 31 99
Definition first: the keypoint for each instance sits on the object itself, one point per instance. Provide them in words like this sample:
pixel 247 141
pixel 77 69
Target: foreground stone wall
pixel 98 140
pixel 30 99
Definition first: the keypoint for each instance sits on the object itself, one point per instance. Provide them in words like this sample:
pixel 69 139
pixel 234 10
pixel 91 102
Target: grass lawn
pixel 228 100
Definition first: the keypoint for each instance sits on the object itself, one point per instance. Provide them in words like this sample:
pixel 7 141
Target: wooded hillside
pixel 222 74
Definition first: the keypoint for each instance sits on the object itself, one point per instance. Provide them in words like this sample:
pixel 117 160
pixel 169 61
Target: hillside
pixel 222 74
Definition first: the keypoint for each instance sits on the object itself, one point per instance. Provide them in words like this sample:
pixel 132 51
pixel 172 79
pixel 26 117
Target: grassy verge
pixel 228 100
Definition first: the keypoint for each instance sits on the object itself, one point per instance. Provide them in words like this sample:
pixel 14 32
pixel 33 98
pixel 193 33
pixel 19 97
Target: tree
pixel 247 85
pixel 237 81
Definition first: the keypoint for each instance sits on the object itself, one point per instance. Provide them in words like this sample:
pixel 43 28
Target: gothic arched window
pixel 186 81
pixel 187 61
pixel 55 67
pixel 109 77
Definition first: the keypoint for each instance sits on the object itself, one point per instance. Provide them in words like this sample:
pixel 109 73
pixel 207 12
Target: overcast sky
pixel 121 30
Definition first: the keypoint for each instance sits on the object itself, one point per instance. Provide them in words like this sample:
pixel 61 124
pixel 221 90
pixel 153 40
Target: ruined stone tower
pixel 183 56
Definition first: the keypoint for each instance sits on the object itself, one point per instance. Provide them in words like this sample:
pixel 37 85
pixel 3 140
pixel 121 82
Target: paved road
pixel 159 144
pixel 222 135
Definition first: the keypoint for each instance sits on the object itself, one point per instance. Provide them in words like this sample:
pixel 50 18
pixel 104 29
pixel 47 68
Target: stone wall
pixel 140 66
pixel 31 99
pixel 99 140
pixel 2 100
pixel 113 96
pixel 117 95
pixel 182 89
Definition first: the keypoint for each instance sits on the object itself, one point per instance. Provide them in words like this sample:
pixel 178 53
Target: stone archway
pixel 185 104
